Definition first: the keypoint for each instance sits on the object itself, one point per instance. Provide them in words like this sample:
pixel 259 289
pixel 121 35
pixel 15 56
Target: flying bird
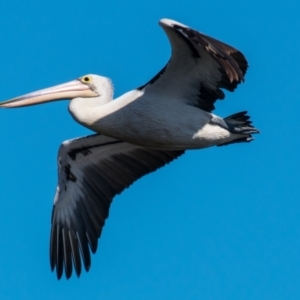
pixel 137 133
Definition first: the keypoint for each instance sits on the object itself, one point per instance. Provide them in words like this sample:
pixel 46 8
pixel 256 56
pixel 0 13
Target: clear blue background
pixel 220 223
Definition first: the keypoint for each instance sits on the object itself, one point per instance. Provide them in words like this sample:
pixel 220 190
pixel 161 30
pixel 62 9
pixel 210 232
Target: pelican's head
pixel 88 86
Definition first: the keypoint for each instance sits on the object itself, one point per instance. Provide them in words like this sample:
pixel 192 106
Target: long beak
pixel 69 90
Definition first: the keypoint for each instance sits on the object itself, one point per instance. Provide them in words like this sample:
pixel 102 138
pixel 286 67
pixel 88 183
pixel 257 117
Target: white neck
pixel 83 110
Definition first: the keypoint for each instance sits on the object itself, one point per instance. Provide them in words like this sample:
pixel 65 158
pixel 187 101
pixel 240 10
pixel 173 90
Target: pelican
pixel 137 133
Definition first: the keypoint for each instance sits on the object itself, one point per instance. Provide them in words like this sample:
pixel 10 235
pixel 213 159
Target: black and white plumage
pixel 138 133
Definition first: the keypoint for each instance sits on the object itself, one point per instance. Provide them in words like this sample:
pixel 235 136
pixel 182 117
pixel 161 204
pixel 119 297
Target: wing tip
pixel 165 23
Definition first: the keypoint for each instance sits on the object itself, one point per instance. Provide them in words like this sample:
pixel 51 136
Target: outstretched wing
pixel 92 170
pixel 199 67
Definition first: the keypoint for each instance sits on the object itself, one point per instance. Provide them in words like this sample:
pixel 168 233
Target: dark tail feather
pixel 240 123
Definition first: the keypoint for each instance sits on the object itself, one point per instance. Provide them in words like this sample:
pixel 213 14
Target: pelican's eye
pixel 86 79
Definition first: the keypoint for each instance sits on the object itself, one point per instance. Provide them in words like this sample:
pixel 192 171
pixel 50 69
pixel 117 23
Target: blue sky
pixel 220 223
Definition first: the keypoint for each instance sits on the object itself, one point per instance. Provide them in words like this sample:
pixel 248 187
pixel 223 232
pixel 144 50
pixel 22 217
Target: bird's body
pixel 167 123
pixel 137 133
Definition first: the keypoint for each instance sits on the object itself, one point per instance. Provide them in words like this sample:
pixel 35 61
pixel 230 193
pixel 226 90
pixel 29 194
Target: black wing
pixel 199 68
pixel 92 170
